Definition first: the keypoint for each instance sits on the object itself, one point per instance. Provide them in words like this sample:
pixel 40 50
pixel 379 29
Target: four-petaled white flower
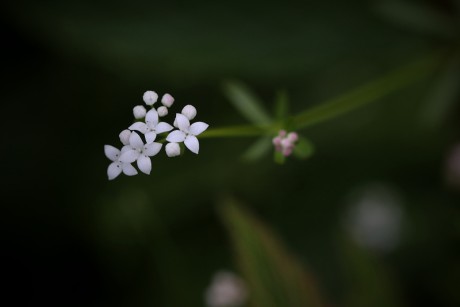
pixel 116 167
pixel 151 127
pixel 135 150
pixel 187 133
pixel 140 152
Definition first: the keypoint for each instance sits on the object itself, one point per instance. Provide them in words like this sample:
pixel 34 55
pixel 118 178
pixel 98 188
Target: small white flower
pixel 139 112
pixel 116 167
pixel 150 97
pixel 162 111
pixel 187 133
pixel 172 149
pixel 124 136
pixel 151 127
pixel 167 100
pixel 226 290
pixel 140 152
pixel 189 111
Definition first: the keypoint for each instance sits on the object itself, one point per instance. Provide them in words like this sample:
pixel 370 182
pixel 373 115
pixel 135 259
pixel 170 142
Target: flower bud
pixel 189 111
pixel 293 137
pixel 162 111
pixel 167 100
pixel 150 97
pixel 172 149
pixel 139 112
pixel 124 136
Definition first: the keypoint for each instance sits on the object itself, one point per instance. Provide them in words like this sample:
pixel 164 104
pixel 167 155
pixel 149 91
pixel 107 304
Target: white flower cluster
pixel 135 150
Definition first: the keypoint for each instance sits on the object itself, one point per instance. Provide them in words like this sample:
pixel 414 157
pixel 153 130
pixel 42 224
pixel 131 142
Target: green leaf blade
pixel 247 103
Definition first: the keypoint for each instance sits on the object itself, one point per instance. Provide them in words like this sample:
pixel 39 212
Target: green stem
pixel 236 131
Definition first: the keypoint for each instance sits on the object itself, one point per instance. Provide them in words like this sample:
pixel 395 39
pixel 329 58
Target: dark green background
pixel 72 72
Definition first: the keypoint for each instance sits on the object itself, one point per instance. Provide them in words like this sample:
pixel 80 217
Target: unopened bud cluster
pixel 148 128
pixel 285 142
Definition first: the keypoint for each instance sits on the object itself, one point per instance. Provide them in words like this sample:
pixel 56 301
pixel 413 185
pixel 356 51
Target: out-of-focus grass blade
pixel 369 92
pixel 419 17
pixel 303 148
pixel 368 281
pixel 246 102
pixel 275 278
pixel 258 149
pixel 445 93
pixel 281 107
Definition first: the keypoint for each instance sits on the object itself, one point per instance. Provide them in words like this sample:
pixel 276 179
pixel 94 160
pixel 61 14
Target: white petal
pixel 192 143
pixel 150 137
pixel 152 117
pixel 114 170
pixel 125 149
pixel 176 136
pixel 182 122
pixel 128 169
pixel 111 152
pixel 163 127
pixel 138 126
pixel 172 149
pixel 152 149
pixel 144 164
pixel 135 141
pixel 129 157
pixel 198 128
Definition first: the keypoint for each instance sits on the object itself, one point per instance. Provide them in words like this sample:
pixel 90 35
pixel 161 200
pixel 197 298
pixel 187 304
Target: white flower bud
pixel 167 100
pixel 189 111
pixel 172 149
pixel 150 97
pixel 124 136
pixel 162 111
pixel 139 112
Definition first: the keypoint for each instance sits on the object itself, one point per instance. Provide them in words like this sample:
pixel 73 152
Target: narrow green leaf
pixel 247 103
pixel 444 95
pixel 369 92
pixel 367 280
pixel 303 148
pixel 258 149
pixel 275 277
pixel 279 158
pixel 281 107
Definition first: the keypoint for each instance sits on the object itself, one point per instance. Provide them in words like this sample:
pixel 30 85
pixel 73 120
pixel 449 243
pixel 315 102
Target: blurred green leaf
pixel 419 17
pixel 444 95
pixel 258 149
pixel 369 92
pixel 303 148
pixel 245 101
pixel 275 278
pixel 368 281
pixel 282 107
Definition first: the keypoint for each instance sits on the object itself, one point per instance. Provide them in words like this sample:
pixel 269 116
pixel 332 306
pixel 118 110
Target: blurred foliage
pixel 72 73
pixel 275 277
